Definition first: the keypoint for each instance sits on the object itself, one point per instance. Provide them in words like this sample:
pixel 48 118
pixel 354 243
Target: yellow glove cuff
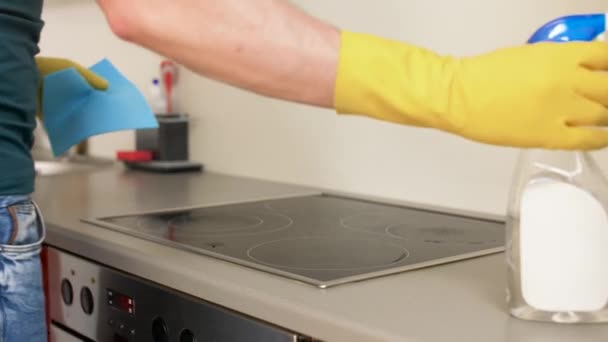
pixel 392 81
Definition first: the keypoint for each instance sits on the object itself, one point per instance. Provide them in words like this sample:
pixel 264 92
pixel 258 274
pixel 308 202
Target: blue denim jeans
pixel 22 311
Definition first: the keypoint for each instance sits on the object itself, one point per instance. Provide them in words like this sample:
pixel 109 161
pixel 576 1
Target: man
pixel 542 95
pixel 537 95
pixel 22 315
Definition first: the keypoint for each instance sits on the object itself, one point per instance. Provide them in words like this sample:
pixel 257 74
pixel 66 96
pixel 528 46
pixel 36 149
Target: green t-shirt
pixel 20 27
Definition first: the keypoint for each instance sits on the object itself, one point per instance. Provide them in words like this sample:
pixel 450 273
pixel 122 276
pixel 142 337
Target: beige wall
pixel 243 134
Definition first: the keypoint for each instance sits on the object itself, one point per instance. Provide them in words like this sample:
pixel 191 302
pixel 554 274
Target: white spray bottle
pixel 557 228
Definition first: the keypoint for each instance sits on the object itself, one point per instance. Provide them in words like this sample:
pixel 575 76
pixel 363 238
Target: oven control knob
pixel 86 300
pixel 160 332
pixel 187 336
pixel 67 293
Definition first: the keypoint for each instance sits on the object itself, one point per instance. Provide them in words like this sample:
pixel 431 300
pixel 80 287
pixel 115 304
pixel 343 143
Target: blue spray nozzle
pixel 580 27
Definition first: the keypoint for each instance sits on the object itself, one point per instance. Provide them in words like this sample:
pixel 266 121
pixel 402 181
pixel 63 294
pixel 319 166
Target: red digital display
pixel 121 302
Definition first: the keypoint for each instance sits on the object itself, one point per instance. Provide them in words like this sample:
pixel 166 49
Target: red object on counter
pixel 134 156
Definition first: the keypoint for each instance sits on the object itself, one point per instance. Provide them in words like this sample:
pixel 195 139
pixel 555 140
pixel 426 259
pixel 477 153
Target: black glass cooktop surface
pixel 322 240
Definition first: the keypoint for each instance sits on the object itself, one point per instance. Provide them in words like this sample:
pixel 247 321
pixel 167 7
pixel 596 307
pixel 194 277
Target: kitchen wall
pixel 243 134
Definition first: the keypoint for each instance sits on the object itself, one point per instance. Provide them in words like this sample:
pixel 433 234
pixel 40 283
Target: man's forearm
pixel 266 46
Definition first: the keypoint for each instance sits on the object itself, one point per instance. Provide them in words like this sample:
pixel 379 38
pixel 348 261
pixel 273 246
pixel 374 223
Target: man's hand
pixel 544 95
pixel 48 65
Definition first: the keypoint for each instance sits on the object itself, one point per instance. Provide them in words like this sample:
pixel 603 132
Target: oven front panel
pixel 93 302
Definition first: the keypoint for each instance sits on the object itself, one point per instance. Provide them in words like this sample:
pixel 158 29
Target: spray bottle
pixel 557 226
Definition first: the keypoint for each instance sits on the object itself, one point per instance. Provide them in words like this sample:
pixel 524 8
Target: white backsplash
pixel 243 134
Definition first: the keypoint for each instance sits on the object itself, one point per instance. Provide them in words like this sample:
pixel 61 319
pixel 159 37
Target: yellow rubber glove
pixel 534 96
pixel 49 65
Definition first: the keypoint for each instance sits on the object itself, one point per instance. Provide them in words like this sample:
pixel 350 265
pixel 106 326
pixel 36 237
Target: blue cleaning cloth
pixel 74 111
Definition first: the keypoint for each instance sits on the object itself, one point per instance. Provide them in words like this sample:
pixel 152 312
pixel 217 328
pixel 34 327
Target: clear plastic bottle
pixel 156 98
pixel 557 238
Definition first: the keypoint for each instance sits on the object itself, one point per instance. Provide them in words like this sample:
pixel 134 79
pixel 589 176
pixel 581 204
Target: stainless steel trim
pixel 303 279
pixel 80 274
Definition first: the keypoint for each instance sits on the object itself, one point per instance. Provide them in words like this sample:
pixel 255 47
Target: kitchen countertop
pixel 462 301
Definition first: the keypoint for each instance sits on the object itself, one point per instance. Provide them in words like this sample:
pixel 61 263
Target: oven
pixel 92 302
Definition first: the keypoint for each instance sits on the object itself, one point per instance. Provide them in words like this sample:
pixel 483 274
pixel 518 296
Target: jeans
pixel 22 310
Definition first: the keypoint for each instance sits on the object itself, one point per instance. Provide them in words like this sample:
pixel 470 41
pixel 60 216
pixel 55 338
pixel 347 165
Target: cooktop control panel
pixel 91 302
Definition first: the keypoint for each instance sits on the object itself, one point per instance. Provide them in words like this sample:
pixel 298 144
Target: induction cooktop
pixel 321 239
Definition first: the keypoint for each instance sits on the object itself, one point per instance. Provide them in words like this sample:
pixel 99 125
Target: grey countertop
pixel 460 302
